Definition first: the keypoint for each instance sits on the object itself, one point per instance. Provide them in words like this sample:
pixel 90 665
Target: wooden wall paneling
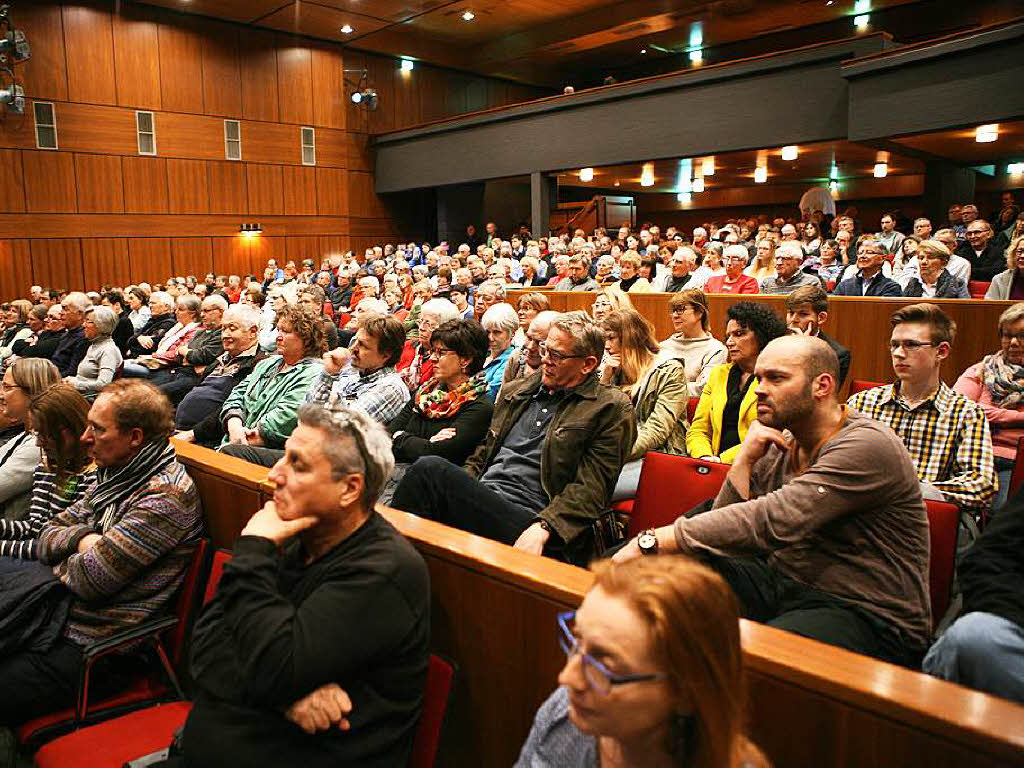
pixel 222 84
pixel 455 93
pixel 360 152
pixel 382 77
pixel 97 129
pixel 195 137
pixel 149 259
pixel 363 200
pixel 497 93
pixel 45 75
pixel 432 89
pixel 19 133
pixel 231 256
pixel 181 65
pixel 299 187
pixel 58 263
pixel 89 45
pixel 265 186
pixel 192 256
pixel 105 262
pixel 477 94
pixel 188 187
pixel 49 181
pixel 333 245
pixel 12 182
pixel 294 80
pixel 330 93
pixel 100 184
pixel 408 94
pixel 136 59
pixel 145 184
pixel 332 192
pixel 15 269
pixel 263 248
pixel 257 61
pixel 332 147
pixel 272 143
pixel 227 188
pixel 302 247
pixel 357 117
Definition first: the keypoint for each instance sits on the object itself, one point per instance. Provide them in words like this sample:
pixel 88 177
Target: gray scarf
pixel 115 484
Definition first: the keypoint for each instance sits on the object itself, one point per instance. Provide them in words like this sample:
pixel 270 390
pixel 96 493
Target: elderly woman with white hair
pixel 933 280
pixel 501 323
pixel 416 366
pixel 187 313
pixel 102 358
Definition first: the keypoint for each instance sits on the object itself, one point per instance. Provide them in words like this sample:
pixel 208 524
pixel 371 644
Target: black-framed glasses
pixel 598 676
pixel 911 345
pixel 555 355
pixel 438 352
pixel 1011 336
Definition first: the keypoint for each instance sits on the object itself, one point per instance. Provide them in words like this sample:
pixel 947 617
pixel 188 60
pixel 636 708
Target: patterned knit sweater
pixel 18 537
pixel 133 572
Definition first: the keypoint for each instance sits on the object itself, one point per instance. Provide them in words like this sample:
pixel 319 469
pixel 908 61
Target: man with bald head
pixel 821 531
pixel 525 362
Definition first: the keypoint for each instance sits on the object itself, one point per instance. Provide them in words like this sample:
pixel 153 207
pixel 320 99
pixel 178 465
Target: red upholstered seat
pixel 859 385
pixel 691 408
pixel 943 520
pixel 978 289
pixel 672 485
pixel 440 677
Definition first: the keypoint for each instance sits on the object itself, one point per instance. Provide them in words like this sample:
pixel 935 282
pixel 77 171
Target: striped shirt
pixel 947 436
pixel 381 395
pixel 18 537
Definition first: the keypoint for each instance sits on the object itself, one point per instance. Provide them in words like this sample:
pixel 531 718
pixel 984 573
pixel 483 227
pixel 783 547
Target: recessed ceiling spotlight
pixel 347 29
pixel 790 152
pixel 697 56
pixel 986 133
pixel 643 50
pixel 468 15
pixel 586 174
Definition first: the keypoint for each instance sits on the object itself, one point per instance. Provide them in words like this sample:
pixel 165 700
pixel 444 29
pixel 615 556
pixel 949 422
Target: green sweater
pixel 268 399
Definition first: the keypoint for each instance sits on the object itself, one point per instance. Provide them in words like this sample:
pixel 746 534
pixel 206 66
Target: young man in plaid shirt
pixel 946 434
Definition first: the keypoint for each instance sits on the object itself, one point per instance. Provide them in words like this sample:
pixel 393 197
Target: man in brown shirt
pixel 823 532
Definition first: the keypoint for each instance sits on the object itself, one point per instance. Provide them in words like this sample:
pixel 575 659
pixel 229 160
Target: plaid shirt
pixel 380 395
pixel 948 439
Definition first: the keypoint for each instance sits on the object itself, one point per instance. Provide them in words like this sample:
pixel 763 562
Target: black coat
pixel 992 570
pixel 155 329
pixel 470 424
pixel 841 352
pixel 990 263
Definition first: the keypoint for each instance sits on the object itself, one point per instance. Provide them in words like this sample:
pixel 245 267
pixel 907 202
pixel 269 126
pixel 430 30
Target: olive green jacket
pixel 661 410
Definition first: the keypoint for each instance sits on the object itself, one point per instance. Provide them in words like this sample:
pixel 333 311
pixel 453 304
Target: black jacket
pixel 155 329
pixel 45 346
pixel 992 570
pixel 946 287
pixel 470 424
pixel 279 628
pixel 70 351
pixel 123 333
pixel 199 410
pixel 854 286
pixel 841 352
pixel 990 263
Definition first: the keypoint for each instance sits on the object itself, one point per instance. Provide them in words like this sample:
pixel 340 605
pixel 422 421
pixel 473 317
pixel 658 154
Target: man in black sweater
pixel 314 651
pixel 984 648
pixel 72 345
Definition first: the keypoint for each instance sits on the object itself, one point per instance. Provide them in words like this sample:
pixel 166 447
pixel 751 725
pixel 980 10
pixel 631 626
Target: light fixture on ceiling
pixel 643 50
pixel 366 97
pixel 1015 169
pixel 790 152
pixel 250 229
pixel 983 134
pixel 347 29
pixel 698 184
pixel 406 64
pixel 697 56
pixel 685 186
pixel 684 197
pixel 862 6
pixel 833 187
pixel 760 174
pixel 862 21
pixel 833 172
pixel 468 15
pixel 707 166
pixel 586 174
pixel 616 183
pixel 647 175
pixel 881 170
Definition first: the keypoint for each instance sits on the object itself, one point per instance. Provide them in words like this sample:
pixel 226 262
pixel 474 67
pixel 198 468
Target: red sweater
pixel 719 284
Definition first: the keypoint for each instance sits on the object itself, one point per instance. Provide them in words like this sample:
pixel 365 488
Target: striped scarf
pixel 115 484
pixel 1005 381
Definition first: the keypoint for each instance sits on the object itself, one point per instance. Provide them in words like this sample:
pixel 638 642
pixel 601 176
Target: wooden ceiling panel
pixel 231 10
pixel 386 10
pixel 321 21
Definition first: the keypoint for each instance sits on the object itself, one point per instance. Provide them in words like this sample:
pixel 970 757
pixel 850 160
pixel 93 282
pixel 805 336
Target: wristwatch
pixel 648 542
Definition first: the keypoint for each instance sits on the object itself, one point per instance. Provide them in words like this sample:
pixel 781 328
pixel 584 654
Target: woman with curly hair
pixel 728 405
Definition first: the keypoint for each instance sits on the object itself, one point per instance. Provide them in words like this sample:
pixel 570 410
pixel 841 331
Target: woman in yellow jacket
pixel 728 403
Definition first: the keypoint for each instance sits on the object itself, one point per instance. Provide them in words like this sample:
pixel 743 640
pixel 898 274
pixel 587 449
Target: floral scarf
pixel 436 403
pixel 1004 380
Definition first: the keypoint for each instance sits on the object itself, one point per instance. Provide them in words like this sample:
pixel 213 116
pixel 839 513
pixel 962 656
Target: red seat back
pixel 187 602
pixel 220 557
pixel 691 409
pixel 943 520
pixel 440 676
pixel 672 485
pixel 978 289
pixel 859 385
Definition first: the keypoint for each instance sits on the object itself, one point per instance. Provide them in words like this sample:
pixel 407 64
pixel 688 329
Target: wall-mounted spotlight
pixel 12 95
pixel 986 133
pixel 366 97
pixel 586 174
pixel 790 152
pixel 406 65
pixel 250 229
pixel 14 47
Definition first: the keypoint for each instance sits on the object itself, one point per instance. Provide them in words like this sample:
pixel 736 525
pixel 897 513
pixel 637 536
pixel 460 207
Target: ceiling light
pixel 986 133
pixel 697 185
pixel 586 174
pixel 468 15
pixel 647 175
pixel 643 50
pixel 347 29
pixel 1015 169
pixel 250 229
pixel 697 56
pixel 760 175
pixel 881 170
pixel 833 187
pixel 685 185
pixel 862 6
pixel 684 197
pixel 616 183
pixel 789 152
pixel 833 172
pixel 862 21
pixel 708 166
pixel 406 65
pixel 696 34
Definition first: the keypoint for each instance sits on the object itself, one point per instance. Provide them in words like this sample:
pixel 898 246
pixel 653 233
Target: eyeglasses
pixel 555 355
pixel 1011 336
pixel 910 345
pixel 597 675
pixel 680 310
pixel 8 388
pixel 438 352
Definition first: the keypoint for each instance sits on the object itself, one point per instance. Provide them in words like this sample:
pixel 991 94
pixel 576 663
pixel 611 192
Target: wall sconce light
pixel 250 229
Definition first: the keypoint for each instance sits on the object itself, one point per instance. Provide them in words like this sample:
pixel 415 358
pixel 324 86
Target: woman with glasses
pixel 449 415
pixel 19 455
pixel 653 675
pixel 16 316
pixel 416 366
pixel 530 305
pixel 997 385
pixel 58 419
pixel 186 312
pixel 606 300
pixel 692 341
pixel 1009 285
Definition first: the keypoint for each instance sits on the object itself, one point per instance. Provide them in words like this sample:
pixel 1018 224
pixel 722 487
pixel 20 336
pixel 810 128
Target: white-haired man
pixel 788 275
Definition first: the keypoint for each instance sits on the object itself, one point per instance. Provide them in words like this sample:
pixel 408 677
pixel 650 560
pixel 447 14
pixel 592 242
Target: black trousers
pixel 254 454
pixel 37 683
pixel 770 597
pixel 436 489
pixel 175 383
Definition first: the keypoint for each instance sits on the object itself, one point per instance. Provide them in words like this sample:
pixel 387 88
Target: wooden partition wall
pixel 96 211
pixel 493 614
pixel 860 324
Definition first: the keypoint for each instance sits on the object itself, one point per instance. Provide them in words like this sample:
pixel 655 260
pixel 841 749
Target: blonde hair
pixel 1011 259
pixel 637 345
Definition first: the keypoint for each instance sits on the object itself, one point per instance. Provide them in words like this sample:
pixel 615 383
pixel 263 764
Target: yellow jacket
pixel 705 433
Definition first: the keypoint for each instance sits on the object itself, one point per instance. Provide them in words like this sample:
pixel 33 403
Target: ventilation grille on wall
pixel 232 140
pixel 46 125
pixel 308 139
pixel 146 126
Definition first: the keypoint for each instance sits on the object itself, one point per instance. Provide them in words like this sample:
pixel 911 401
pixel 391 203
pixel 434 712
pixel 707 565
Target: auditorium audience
pixel 525 361
pixel 547 469
pixel 449 415
pixel 734 280
pixel 43 342
pixel 727 404
pixel 166 351
pixel 500 322
pixel 692 341
pixel 933 280
pixel 997 385
pixel 124 330
pixel 789 257
pixel 529 306
pixel 946 434
pixel 72 345
pixel 416 366
pixel 58 415
pixel 607 299
pixel 162 319
pixel 138 303
pixel 630 280
pixel 121 551
pixel 182 374
pixel 763 265
pixel 869 279
pixel 579 278
pixel 314 650
pixel 16 326
pixel 102 358
pixel 1009 284
pixel 806 312
pixel 824 533
pixel 655 383
pixel 983 250
pixel 653 674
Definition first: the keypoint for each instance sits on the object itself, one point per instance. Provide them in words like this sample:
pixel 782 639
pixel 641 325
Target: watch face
pixel 647 541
